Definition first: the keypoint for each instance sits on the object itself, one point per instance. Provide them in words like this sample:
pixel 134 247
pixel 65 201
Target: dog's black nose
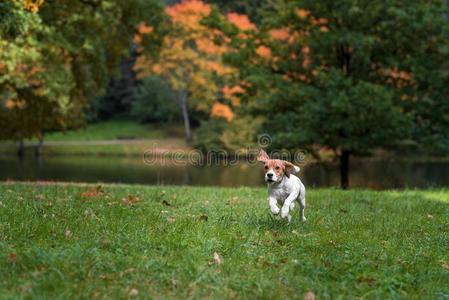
pixel 269 175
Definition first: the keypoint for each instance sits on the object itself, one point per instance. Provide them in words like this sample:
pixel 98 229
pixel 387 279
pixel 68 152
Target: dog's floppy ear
pixel 263 156
pixel 290 168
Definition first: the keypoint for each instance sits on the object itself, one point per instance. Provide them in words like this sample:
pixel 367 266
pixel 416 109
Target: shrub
pixel 153 102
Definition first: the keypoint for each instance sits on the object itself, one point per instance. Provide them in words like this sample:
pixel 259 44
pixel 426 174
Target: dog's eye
pixel 266 167
pixel 277 168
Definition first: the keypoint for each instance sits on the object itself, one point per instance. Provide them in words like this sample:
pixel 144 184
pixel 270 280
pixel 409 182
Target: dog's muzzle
pixel 270 177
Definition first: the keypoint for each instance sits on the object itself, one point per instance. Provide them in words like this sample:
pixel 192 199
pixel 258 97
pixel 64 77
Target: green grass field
pixel 114 137
pixel 117 130
pixel 122 241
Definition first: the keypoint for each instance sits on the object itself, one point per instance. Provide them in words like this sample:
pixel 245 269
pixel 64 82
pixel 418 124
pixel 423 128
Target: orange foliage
pixel 280 34
pixel 188 12
pixel 232 93
pixel 143 28
pixel 208 46
pixel 302 13
pixel 263 51
pixel 221 110
pixel 240 21
pixel 399 78
pixel 32 5
pixel 12 104
pixel 190 59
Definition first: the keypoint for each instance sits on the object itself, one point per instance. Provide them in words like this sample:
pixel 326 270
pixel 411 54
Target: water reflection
pixel 371 174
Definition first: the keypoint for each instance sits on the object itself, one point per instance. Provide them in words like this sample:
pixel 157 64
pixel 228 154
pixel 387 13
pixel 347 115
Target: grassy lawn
pixel 159 242
pixel 115 137
pixel 117 130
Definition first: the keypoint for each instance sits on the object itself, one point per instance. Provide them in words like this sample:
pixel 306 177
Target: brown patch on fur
pixel 277 166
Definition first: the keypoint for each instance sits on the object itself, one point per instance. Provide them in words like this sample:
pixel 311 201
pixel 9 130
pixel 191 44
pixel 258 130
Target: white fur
pixel 286 191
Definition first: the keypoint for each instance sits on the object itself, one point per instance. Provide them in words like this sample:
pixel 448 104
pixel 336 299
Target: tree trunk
pixel 185 115
pixel 344 169
pixel 40 145
pixel 21 149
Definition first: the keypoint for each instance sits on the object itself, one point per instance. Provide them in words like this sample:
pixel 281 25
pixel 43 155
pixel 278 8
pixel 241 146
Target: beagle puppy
pixel 284 188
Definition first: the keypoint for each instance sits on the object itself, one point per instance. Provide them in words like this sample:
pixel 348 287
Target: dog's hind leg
pixel 302 207
pixel 292 206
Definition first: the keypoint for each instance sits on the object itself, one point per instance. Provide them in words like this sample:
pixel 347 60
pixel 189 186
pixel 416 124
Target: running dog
pixel 284 188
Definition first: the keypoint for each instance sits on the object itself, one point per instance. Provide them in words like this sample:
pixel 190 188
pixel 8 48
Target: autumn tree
pixel 190 60
pixel 34 78
pixel 350 76
pixel 56 55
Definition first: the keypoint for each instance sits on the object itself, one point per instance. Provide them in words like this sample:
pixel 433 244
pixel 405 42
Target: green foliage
pixel 362 244
pixel 241 133
pixel 59 56
pixel 154 102
pixel 359 117
pixel 350 77
pixel 251 8
pixel 208 134
pixel 14 19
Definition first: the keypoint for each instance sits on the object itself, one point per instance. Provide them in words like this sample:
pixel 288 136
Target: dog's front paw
pixel 285 211
pixel 275 210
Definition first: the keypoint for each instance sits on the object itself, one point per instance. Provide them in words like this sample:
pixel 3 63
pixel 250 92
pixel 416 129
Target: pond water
pixel 366 174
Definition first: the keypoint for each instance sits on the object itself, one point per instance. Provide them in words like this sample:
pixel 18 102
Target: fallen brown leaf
pixel 12 257
pixel 130 200
pixel 166 203
pixel 93 192
pixel 371 281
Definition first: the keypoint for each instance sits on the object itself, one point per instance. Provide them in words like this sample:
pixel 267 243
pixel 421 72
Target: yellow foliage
pixel 190 59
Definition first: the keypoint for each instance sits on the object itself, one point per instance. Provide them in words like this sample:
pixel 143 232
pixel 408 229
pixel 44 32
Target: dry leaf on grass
pixel 174 282
pixel 217 259
pixel 371 281
pixel 166 203
pixel 445 265
pixel 93 192
pixel 130 200
pixel 133 292
pixel 68 234
pixel 309 296
pixel 12 257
